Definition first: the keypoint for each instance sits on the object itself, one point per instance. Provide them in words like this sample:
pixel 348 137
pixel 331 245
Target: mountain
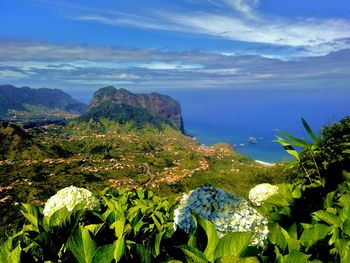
pixel 13 98
pixel 32 107
pixel 16 143
pixel 123 106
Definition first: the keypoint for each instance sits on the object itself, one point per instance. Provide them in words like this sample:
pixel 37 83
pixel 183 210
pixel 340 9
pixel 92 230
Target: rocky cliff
pixel 152 106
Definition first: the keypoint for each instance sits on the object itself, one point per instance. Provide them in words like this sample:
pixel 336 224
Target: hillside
pixel 15 143
pixel 118 164
pixel 122 106
pixel 25 105
pixel 107 154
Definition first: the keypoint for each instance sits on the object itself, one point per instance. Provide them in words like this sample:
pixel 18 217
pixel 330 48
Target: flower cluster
pixel 226 212
pixel 69 197
pixel 261 192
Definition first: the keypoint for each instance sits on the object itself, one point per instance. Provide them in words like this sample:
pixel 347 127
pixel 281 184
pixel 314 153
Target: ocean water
pixel 232 116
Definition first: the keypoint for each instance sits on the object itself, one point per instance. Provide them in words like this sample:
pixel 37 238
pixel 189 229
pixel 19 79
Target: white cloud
pixel 10 74
pixel 244 6
pixel 238 20
pixel 47 64
pixel 310 34
pixel 165 66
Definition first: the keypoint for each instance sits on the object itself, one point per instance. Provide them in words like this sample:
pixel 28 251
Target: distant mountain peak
pixel 22 104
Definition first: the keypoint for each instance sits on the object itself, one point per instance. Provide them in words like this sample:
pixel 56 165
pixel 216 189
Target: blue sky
pixel 80 46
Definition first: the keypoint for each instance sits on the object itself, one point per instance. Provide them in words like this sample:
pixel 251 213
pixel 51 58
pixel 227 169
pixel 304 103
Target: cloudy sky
pixel 82 45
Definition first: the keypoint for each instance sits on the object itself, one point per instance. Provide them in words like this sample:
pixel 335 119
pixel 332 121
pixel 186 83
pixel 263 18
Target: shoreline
pixel 265 163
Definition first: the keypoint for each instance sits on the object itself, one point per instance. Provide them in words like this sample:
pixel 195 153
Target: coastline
pixel 265 163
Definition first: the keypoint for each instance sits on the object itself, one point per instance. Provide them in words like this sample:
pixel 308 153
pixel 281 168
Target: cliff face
pixel 155 104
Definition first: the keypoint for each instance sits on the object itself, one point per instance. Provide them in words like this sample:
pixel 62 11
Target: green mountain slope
pixel 15 98
pixel 123 106
pixel 25 105
pixel 15 143
pixel 125 113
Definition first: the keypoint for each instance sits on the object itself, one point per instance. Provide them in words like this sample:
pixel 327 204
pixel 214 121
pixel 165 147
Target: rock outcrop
pixel 152 107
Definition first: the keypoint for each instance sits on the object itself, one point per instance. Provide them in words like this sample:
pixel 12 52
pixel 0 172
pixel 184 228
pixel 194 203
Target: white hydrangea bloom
pixel 228 214
pixel 261 192
pixel 69 197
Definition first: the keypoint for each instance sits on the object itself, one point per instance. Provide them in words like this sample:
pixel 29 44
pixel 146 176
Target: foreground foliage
pixel 308 218
pixel 36 163
pixel 132 226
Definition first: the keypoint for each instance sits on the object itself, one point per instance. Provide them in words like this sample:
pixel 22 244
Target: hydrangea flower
pixel 69 197
pixel 261 192
pixel 226 212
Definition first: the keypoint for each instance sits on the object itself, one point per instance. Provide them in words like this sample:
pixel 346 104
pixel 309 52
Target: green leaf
pixel 212 238
pixel 296 193
pixel 313 234
pixel 15 255
pixel 82 246
pixel 277 236
pixel 277 200
pixel 157 243
pixel 144 254
pixel 296 257
pixel 346 227
pixel 288 147
pixel 329 199
pixel 192 240
pixel 118 226
pixel 293 231
pixel 193 254
pixel 344 200
pixel 30 209
pixel 138 226
pixel 32 219
pixel 335 235
pixel 104 254
pixel 119 248
pixel 239 260
pixel 344 213
pixel 94 228
pixel 343 248
pixel 294 140
pixel 59 217
pixel 327 217
pixel 233 244
pixel 309 131
pixel 7 254
pixel 30 212
pixel 278 255
pixel 158 225
pixel 140 193
pixel 43 239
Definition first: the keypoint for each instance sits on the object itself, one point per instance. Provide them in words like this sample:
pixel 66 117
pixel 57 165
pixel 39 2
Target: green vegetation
pixel 124 113
pixel 132 226
pixel 29 107
pixel 122 106
pixel 97 154
pixel 308 217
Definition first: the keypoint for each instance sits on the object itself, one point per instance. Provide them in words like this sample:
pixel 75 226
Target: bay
pixel 239 116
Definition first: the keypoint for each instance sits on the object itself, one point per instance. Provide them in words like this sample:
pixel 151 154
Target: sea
pixel 250 119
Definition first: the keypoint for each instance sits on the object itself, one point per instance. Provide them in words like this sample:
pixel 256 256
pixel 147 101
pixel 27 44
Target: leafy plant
pixel 309 222
pixel 131 226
